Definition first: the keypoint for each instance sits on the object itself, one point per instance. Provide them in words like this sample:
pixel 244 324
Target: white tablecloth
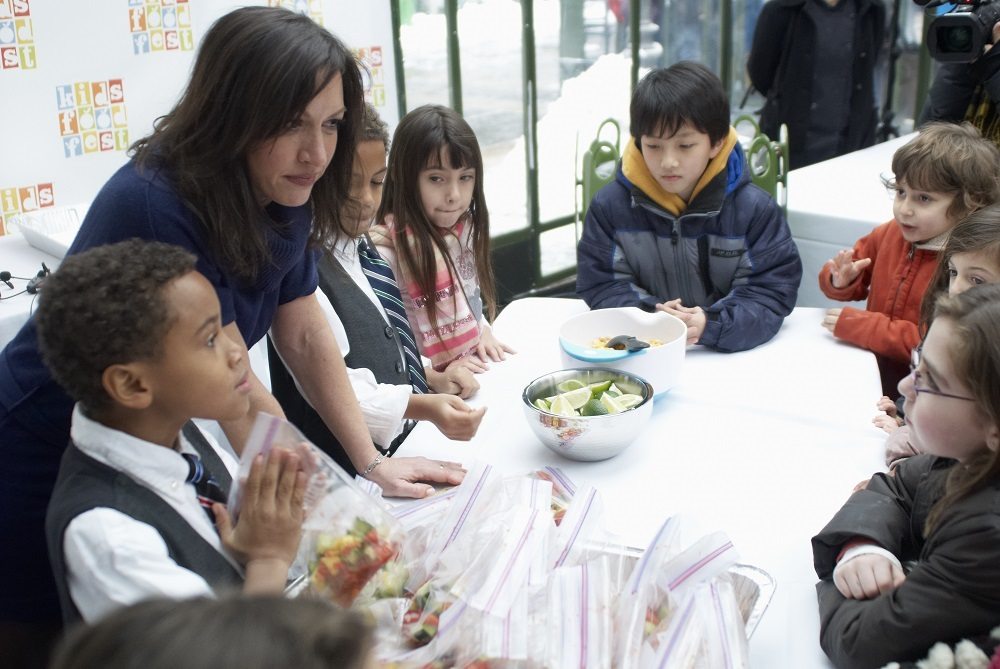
pixel 833 203
pixel 20 259
pixel 764 445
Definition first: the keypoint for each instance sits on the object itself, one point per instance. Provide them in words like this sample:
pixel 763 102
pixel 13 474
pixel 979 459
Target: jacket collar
pixel 727 171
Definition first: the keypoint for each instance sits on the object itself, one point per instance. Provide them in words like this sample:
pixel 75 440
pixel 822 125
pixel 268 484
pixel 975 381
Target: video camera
pixel 961 34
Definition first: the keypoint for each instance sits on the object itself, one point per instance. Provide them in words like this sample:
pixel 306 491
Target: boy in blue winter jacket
pixel 682 229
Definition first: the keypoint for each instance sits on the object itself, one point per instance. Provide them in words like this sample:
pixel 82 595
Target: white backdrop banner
pixel 81 81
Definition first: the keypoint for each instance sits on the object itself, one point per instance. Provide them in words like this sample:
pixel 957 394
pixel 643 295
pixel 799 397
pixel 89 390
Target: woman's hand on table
pixel 867 576
pixel 409 477
pixel 844 269
pixel 830 319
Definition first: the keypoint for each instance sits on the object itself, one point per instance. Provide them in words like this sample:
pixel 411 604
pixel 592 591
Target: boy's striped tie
pixel 205 485
pixel 382 281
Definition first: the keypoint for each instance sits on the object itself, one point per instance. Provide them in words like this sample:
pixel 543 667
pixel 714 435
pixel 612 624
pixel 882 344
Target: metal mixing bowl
pixel 588 437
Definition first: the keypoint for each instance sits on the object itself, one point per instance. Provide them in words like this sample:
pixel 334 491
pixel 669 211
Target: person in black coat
pixel 820 82
pixel 969 92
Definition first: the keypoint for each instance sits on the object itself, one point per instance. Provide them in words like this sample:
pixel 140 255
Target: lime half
pixel 577 398
pixel 628 400
pixel 561 406
pixel 571 384
pixel 611 403
pixel 599 388
pixel 593 408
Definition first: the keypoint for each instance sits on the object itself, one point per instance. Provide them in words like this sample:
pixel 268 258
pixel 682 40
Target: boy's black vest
pixel 375 346
pixel 85 484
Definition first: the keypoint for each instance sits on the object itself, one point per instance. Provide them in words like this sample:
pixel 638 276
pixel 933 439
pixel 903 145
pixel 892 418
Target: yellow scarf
pixel 635 170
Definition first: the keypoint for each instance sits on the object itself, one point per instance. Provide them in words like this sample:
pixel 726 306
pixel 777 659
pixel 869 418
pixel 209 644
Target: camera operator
pixel 968 92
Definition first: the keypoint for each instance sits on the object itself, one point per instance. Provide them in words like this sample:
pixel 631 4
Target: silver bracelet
pixel 373 464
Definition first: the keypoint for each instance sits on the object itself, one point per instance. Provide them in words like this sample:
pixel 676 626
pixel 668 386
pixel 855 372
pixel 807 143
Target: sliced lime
pixel 599 388
pixel 611 403
pixel 628 400
pixel 571 384
pixel 593 408
pixel 614 391
pixel 541 404
pixel 561 406
pixel 577 398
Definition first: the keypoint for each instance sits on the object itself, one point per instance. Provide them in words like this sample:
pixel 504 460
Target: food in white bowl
pixel 660 365
pixel 595 436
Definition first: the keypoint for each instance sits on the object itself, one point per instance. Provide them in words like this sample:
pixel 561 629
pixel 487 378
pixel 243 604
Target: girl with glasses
pixel 939 514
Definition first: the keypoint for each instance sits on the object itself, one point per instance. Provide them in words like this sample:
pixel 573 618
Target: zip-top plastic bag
pixel 580 625
pixel 661 594
pixel 705 631
pixel 347 535
pixel 563 490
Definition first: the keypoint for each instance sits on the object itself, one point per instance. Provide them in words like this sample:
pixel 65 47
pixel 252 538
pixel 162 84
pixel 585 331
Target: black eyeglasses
pixel 918 379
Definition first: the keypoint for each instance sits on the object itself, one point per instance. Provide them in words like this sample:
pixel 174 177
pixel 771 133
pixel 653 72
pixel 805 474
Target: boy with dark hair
pixel 134 334
pixel 681 229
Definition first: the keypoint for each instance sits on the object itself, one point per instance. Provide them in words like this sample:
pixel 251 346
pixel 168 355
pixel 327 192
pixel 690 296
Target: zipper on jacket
pixel 680 278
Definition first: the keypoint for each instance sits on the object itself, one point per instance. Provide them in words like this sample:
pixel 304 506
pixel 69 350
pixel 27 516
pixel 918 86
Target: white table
pixel 832 204
pixel 20 259
pixel 764 445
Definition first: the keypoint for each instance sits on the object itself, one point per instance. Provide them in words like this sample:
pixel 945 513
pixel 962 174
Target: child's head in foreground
pixel 230 633
pixel 944 174
pixel 133 326
pixel 953 394
pixel 367 175
pixel 679 118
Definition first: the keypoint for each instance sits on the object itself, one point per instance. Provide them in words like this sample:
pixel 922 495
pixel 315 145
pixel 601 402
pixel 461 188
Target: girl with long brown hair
pixel 434 229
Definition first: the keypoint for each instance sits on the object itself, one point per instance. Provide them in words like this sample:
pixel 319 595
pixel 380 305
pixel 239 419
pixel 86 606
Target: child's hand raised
pixel 844 269
pixel 867 576
pixel 266 537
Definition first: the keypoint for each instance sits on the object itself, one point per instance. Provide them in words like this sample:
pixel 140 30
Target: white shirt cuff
pixel 865 549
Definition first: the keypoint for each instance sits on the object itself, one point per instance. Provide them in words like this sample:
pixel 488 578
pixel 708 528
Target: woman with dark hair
pixel 237 174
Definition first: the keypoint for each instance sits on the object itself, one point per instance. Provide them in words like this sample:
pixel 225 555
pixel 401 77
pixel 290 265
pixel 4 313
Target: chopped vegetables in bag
pixel 344 563
pixel 421 620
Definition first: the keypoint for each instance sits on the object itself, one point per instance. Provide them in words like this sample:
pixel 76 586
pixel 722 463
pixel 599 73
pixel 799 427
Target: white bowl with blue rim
pixel 659 365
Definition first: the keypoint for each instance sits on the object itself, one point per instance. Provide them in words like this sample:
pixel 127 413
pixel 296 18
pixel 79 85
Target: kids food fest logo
pixel 160 25
pixel 17 39
pixel 22 199
pixel 311 8
pixel 373 74
pixel 92 117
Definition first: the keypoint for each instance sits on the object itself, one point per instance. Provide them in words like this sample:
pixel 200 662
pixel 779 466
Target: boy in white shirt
pixel 134 334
